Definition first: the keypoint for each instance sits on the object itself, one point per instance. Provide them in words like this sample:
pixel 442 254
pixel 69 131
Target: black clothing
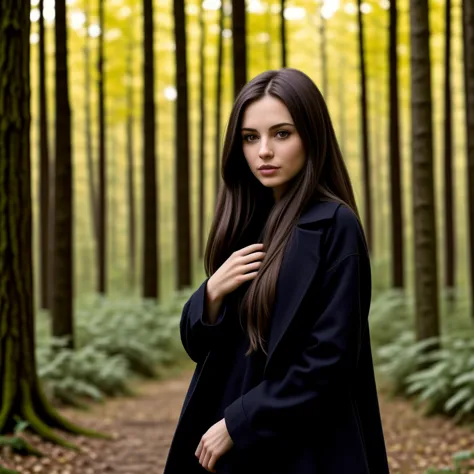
pixel 314 409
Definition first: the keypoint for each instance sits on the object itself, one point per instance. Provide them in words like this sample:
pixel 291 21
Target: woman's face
pixel 271 144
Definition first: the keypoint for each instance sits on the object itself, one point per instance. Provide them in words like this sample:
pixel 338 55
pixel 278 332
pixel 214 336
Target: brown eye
pixel 249 138
pixel 283 134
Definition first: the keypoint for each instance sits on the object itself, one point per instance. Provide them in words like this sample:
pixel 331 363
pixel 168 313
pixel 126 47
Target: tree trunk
pixel 131 173
pixel 220 51
pixel 365 134
pixel 324 59
pixel 62 311
pixel 239 45
pixel 202 132
pixel 468 38
pixel 150 209
pixel 183 251
pixel 102 217
pixel 398 279
pixel 342 106
pixel 20 391
pixel 283 34
pixel 87 126
pixel 44 166
pixel 426 281
pixel 379 201
pixel 268 44
pixel 448 158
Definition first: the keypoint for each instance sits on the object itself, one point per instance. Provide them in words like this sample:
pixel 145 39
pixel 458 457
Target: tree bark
pixel 426 268
pixel 398 266
pixel 150 209
pixel 239 45
pixel 63 291
pixel 131 173
pixel 183 251
pixel 283 34
pixel 202 131
pixel 44 167
pixel 87 126
pixel 468 38
pixel 324 59
pixel 342 106
pixel 449 209
pixel 365 134
pixel 102 206
pixel 220 51
pixel 20 391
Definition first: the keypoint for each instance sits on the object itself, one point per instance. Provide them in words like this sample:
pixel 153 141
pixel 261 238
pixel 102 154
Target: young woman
pixel 284 381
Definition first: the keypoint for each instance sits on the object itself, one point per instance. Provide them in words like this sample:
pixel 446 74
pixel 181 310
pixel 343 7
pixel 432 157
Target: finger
pixel 206 460
pixel 251 267
pixel 252 257
pixel 250 249
pixel 199 449
pixel 247 276
pixel 212 463
pixel 202 458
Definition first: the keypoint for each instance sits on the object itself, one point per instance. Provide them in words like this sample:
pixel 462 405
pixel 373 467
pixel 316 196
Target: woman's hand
pixel 240 267
pixel 214 444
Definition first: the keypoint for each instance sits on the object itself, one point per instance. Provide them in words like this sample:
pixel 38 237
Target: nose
pixel 265 151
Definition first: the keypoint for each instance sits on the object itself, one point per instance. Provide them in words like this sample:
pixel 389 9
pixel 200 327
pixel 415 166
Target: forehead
pixel 265 112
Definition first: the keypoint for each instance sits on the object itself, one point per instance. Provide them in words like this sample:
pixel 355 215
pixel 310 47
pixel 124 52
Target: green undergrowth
pixel 118 340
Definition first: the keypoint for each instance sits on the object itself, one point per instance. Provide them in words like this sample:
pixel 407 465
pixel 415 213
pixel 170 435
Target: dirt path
pixel 143 426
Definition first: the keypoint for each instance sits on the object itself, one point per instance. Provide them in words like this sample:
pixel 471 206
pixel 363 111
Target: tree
pixel 449 238
pixel 468 39
pixel 63 292
pixel 324 59
pixel 239 45
pixel 102 206
pixel 220 50
pixel 365 133
pixel 130 170
pixel 426 268
pixel 44 166
pixel 395 160
pixel 283 33
pixel 202 130
pixel 150 210
pixel 20 391
pixel 183 250
pixel 87 126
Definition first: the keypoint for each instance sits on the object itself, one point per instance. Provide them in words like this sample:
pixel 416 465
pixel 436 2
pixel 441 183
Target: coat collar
pixel 298 269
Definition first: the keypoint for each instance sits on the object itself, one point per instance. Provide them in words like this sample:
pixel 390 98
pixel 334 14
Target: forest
pixel 112 119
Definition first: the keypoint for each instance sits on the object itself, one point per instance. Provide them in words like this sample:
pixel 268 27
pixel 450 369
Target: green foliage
pixel 448 385
pixel 17 444
pixel 460 464
pixel 116 338
pixel 390 315
pixel 441 379
pixel 7 471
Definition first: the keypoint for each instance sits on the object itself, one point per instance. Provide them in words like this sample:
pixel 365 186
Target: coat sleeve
pixel 198 336
pixel 282 405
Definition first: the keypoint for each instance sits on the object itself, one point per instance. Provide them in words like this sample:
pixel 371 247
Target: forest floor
pixel 142 427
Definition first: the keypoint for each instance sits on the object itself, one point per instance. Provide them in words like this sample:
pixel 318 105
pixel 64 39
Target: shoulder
pixel 343 232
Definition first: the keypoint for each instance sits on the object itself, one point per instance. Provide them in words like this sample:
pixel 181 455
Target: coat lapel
pixel 298 269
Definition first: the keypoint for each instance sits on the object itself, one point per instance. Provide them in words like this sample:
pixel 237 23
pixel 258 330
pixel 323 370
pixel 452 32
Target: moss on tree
pixel 20 391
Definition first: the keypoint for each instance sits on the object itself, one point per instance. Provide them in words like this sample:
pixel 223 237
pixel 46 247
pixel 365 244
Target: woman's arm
pixel 341 301
pixel 202 322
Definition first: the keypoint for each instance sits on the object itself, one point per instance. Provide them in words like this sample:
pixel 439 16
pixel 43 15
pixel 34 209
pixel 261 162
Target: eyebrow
pixel 271 128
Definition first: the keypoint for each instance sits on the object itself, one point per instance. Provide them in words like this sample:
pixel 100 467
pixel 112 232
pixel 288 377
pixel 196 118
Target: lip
pixel 268 170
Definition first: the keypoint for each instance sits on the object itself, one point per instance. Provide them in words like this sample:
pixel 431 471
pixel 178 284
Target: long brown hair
pixel 246 211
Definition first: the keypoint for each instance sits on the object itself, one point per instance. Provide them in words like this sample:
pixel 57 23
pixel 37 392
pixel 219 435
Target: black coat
pixel 316 410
